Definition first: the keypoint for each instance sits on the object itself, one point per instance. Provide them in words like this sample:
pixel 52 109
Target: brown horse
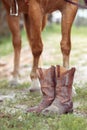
pixel 35 13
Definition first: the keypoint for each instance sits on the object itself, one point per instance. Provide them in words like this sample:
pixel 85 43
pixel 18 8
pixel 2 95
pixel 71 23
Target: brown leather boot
pixel 47 81
pixel 63 100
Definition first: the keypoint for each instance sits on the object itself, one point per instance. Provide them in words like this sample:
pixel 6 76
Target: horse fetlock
pixel 33 75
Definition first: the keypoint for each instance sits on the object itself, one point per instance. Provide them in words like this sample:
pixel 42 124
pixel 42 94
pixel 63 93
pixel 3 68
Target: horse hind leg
pixel 67 20
pixel 13 23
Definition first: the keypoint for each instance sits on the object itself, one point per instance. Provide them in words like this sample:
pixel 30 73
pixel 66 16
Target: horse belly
pixel 53 5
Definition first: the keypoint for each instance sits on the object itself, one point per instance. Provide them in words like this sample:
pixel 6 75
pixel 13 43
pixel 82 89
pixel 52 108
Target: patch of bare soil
pixel 6 67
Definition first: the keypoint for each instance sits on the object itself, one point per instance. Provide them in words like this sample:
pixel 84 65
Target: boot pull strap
pixel 40 73
pixel 58 71
pixel 67 81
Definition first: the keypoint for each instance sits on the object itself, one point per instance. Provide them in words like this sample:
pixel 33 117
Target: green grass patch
pixel 39 122
pixel 71 122
pixel 5 46
pixel 81 31
pixel 6 84
pixel 81 99
pixel 13 118
pixel 81 92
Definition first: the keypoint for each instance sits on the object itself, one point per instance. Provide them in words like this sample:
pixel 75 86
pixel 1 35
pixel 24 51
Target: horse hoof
pixel 34 89
pixel 14 83
pixel 35 86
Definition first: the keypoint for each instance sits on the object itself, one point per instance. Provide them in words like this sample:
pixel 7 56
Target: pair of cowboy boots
pixel 56 86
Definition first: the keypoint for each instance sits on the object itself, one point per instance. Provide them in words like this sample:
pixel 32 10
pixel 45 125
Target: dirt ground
pixel 6 66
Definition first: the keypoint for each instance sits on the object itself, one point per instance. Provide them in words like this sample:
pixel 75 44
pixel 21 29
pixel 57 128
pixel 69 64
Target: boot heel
pixel 70 111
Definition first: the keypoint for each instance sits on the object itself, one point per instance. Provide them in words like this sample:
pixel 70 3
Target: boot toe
pixel 32 109
pixel 50 111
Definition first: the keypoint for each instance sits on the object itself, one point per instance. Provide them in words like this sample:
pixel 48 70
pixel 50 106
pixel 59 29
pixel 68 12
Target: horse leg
pixel 33 24
pixel 68 15
pixel 13 23
pixel 44 20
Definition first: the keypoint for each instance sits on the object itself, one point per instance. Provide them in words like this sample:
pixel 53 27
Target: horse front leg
pixel 13 23
pixel 35 85
pixel 33 24
pixel 36 47
pixel 36 51
pixel 68 15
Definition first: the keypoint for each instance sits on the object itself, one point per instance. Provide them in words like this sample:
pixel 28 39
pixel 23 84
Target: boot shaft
pixel 63 102
pixel 47 81
pixel 64 83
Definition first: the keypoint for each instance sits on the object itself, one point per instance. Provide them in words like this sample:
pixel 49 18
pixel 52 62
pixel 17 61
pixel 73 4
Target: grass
pixel 12 109
pixel 5 47
pixel 34 122
pixel 13 117
pixel 81 98
pixel 6 44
